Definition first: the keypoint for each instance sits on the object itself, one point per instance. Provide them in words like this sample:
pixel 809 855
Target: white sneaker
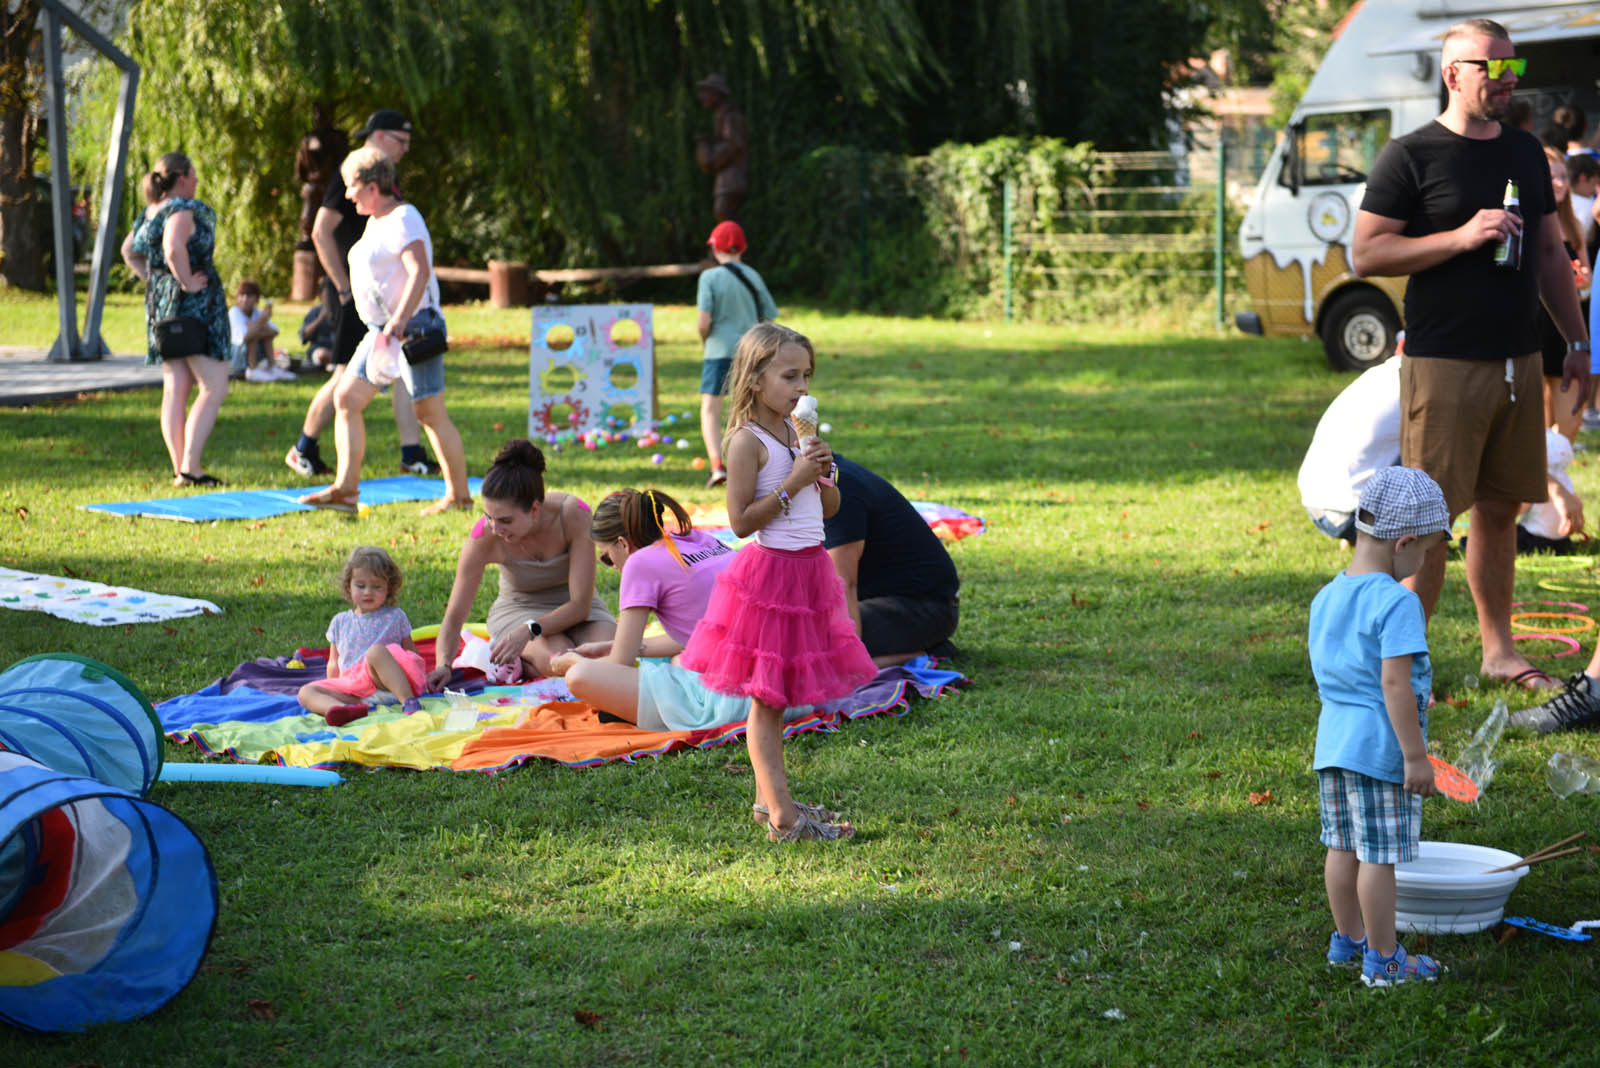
pixel 260 374
pixel 283 374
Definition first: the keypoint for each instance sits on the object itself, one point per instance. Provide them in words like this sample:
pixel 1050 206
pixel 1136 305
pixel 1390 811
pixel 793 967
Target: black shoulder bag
pixel 749 288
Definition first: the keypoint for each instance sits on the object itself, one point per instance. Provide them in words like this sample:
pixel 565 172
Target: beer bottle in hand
pixel 1508 253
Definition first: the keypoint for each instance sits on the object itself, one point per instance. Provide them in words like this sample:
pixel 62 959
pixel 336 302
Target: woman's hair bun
pixel 521 452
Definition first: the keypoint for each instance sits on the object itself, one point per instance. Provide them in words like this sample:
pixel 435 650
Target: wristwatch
pixel 1578 346
pixel 534 630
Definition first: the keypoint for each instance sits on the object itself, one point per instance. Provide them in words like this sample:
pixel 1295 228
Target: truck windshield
pixel 1337 148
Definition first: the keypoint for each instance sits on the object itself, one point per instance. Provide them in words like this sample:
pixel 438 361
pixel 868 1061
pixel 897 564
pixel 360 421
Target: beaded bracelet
pixel 783 499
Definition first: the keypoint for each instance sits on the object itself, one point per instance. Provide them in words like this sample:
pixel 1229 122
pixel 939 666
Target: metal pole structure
pixel 1222 217
pixel 1008 202
pixel 68 345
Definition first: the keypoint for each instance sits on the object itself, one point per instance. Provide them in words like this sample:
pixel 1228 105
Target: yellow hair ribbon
pixel 672 546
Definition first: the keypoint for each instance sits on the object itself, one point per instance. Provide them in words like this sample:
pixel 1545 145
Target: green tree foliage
pixel 1304 31
pixel 21 254
pixel 562 132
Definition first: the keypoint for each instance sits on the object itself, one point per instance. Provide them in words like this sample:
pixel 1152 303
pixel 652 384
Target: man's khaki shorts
pixel 1461 425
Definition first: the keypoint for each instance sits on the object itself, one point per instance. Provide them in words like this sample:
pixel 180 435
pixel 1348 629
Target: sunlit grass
pixel 1071 835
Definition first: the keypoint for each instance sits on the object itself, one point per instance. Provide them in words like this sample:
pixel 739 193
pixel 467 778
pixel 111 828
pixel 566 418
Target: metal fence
pixel 1136 214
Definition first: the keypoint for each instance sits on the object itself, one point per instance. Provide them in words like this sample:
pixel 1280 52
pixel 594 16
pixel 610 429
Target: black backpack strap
pixel 750 288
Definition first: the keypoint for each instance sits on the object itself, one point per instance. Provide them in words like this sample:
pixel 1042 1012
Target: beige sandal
pixel 333 501
pixel 761 814
pixel 807 829
pixel 445 504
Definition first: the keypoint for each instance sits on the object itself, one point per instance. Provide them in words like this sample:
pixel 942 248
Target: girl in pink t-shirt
pixel 670 573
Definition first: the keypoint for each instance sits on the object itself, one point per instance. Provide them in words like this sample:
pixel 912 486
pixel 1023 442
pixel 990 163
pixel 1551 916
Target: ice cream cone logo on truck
pixel 1329 216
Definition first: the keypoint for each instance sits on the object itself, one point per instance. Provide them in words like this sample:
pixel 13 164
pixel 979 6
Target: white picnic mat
pixel 94 603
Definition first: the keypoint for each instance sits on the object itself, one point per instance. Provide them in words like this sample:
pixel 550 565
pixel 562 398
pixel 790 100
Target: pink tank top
pixel 802 527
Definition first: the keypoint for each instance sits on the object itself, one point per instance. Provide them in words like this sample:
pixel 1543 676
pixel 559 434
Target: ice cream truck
pixel 1380 79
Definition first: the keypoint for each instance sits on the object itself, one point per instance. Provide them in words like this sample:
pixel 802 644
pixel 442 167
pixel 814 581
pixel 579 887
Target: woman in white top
pixel 396 294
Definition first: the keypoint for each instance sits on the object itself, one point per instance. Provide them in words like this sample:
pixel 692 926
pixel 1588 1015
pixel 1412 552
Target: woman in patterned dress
pixel 170 248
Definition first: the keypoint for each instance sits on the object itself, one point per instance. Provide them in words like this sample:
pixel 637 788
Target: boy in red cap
pixel 732 298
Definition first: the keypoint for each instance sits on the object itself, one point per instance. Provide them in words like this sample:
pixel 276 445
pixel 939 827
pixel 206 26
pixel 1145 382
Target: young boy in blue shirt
pixel 1369 653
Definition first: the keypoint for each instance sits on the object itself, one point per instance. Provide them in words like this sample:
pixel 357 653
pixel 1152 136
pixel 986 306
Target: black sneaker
pixel 1576 706
pixel 424 466
pixel 308 464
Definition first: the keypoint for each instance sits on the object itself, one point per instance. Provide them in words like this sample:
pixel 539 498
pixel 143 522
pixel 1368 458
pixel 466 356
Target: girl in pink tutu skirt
pixel 776 628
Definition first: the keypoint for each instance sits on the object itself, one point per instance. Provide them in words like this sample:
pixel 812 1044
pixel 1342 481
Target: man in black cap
pixel 725 153
pixel 335 230
pixel 900 585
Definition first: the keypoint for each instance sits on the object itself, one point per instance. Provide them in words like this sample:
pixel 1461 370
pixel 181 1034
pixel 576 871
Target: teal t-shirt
pixel 1356 623
pixel 732 310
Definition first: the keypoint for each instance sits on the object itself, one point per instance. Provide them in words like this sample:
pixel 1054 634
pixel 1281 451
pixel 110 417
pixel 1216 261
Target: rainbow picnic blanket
pixel 252 716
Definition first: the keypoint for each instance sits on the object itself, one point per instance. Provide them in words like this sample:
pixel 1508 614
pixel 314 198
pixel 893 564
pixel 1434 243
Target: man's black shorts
pixel 348 329
pixel 893 624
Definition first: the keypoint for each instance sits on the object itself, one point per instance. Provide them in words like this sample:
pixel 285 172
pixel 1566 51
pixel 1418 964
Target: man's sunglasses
pixel 1496 68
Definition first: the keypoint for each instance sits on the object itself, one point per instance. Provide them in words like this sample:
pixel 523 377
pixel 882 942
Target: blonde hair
pixel 369 165
pixel 1564 213
pixel 757 348
pixel 375 561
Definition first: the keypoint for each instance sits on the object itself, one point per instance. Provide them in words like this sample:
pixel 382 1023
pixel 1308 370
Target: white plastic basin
pixel 1445 890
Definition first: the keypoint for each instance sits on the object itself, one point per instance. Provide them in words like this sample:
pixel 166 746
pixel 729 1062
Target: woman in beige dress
pixel 540 543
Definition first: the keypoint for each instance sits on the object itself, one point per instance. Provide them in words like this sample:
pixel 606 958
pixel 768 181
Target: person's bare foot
pixel 445 504
pixel 334 500
pixel 1524 676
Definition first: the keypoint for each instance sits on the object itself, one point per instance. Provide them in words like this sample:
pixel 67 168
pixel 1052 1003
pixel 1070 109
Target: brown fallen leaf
pixel 169 631
pixel 262 1009
pixel 1262 798
pixel 258 580
pixel 591 1020
pixel 1259 527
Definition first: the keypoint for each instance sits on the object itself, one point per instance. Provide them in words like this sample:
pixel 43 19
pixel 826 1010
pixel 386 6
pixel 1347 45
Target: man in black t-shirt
pixel 334 231
pixel 1471 386
pixel 899 582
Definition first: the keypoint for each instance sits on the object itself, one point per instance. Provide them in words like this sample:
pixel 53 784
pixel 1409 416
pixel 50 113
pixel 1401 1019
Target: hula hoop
pixel 1585 624
pixel 1572 643
pixel 1554 563
pixel 1574 605
pixel 1563 587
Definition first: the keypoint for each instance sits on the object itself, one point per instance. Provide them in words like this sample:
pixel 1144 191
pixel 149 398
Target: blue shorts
pixel 426 379
pixel 1334 524
pixel 1377 821
pixel 714 376
pixel 672 698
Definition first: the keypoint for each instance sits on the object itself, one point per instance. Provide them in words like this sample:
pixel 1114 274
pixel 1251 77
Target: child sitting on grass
pixel 1369 653
pixel 369 645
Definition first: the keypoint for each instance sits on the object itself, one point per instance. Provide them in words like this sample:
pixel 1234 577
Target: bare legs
pixel 1361 896
pixel 321 698
pixel 1491 573
pixel 186 434
pixel 611 687
pixel 764 739
pixel 447 447
pixel 711 427
pixel 321 411
pixel 538 653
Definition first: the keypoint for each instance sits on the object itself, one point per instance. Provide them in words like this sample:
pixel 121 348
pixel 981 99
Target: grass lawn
pixel 1072 835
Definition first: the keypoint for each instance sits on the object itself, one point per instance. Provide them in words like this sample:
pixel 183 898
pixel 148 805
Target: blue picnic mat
pixel 258 504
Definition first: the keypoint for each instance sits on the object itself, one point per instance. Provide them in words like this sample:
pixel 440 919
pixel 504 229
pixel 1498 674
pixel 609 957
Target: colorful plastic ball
pixel 672 419
pixel 824 428
pixel 572 417
pixel 296 663
pixel 550 439
pixel 683 443
pixel 699 463
pixel 657 458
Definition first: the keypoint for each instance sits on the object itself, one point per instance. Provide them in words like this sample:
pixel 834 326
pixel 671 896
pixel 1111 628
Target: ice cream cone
pixel 804 417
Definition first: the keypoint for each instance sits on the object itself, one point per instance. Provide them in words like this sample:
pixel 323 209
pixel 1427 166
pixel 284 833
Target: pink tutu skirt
pixel 777 629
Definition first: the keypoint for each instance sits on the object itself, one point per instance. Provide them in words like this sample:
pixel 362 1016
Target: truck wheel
pixel 1359 331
